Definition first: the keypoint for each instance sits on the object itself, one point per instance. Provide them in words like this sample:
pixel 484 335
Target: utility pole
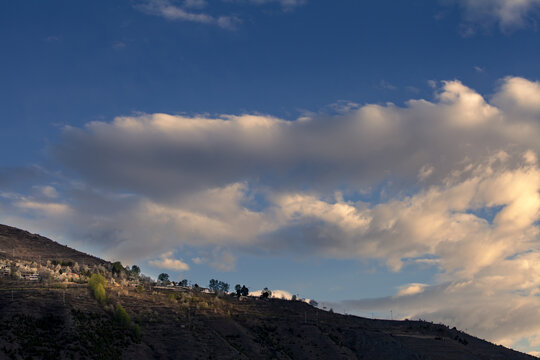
pixel 391 315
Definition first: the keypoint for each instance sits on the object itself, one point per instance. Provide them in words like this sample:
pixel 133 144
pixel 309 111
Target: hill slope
pixel 59 321
pixel 19 244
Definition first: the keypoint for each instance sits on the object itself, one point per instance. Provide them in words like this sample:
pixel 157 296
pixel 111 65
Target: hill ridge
pixel 16 243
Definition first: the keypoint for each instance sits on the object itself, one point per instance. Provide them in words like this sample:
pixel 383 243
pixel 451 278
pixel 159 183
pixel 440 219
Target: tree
pixel 241 290
pixel 117 267
pixel 266 293
pixel 183 283
pixel 213 285
pixel 135 270
pixel 218 286
pixel 164 278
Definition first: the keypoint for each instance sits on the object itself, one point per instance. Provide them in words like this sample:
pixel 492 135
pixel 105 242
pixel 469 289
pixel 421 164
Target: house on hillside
pixel 5 270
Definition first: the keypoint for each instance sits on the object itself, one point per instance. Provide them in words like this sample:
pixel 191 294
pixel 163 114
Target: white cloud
pixel 45 208
pixel 507 13
pixel 479 69
pixel 167 261
pixel 519 96
pixel 411 289
pixel 191 10
pixel 167 10
pixel 198 260
pixel 276 294
pixel 361 147
pixel 47 191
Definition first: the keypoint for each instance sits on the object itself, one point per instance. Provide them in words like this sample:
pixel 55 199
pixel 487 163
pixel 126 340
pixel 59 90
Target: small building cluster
pixel 5 270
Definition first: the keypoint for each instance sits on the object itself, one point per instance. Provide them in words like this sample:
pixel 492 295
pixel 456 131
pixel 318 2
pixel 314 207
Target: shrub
pixel 121 316
pixel 97 284
pixel 100 294
pixel 172 298
pixel 97 279
pixel 137 333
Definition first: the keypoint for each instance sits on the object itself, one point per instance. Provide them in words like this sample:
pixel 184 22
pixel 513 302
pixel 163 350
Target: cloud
pixel 224 261
pixel 411 289
pixel 45 208
pixel 167 262
pixel 437 221
pixel 484 307
pixel 507 14
pixel 191 10
pixel 47 191
pixel 479 69
pixel 165 9
pixel 119 45
pixel 452 182
pixel 519 96
pixel 276 294
pixel 195 4
pixel 162 155
pixel 52 39
pixel 285 4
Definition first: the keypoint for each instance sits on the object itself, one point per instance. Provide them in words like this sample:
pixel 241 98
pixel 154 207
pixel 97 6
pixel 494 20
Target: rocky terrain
pixel 64 321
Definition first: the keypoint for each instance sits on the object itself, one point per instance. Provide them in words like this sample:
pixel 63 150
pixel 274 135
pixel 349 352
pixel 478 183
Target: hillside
pixel 20 244
pixel 64 321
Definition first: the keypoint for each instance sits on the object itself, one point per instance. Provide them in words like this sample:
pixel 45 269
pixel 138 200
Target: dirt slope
pixel 26 246
pixel 69 323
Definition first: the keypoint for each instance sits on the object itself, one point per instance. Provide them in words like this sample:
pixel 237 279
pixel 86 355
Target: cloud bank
pixel 451 183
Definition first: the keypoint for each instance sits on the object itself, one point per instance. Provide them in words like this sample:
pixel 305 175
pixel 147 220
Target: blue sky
pixel 345 152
